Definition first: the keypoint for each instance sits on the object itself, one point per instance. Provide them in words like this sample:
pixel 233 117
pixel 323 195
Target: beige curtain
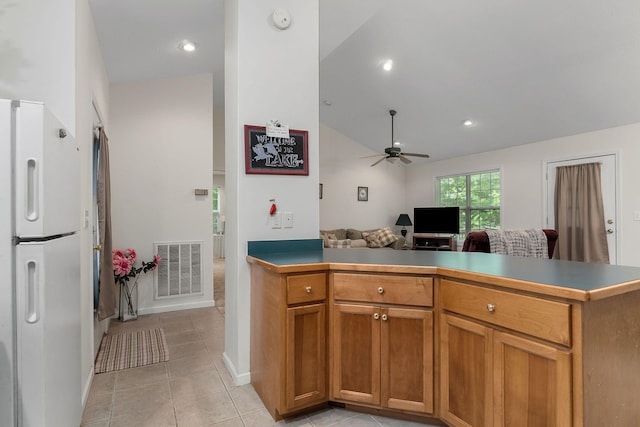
pixel 107 294
pixel 579 214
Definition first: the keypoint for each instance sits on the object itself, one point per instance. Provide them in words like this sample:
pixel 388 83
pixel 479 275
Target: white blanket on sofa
pixel 527 243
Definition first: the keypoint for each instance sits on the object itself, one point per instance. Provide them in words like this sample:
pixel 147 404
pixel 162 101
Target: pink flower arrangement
pixel 124 265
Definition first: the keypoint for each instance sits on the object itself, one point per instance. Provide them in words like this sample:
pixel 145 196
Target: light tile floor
pixel 194 388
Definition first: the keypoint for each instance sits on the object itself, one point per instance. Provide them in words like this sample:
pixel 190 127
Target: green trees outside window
pixel 477 195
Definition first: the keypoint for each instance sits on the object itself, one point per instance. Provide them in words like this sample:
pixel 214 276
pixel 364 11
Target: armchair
pixel 478 241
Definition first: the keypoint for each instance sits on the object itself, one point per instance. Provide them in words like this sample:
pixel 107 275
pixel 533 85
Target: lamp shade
pixel 404 220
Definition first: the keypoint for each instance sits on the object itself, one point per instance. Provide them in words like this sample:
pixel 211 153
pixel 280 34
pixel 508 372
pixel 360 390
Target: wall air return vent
pixel 180 272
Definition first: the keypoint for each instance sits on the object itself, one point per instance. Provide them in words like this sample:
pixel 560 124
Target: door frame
pixel 547 198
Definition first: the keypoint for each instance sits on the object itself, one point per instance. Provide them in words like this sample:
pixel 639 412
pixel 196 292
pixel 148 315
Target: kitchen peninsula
pixel 468 339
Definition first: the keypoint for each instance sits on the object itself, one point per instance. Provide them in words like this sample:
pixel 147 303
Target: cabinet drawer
pixel 306 288
pixel 549 320
pixel 381 288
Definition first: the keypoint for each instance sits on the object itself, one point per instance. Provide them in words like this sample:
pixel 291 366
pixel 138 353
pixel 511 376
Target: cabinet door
pixel 306 375
pixel 356 353
pixel 466 373
pixel 407 359
pixel 532 386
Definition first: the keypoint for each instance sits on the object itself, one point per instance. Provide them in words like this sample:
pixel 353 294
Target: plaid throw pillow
pixel 345 243
pixel 386 236
pixel 380 238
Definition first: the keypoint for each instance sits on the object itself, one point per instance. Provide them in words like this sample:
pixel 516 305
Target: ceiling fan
pixel 395 152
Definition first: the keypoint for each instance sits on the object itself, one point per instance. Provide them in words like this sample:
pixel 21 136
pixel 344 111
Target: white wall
pixel 269 74
pixel 49 53
pixel 218 140
pixel 523 181
pixel 342 171
pixel 160 144
pixel 92 86
pixel 37 55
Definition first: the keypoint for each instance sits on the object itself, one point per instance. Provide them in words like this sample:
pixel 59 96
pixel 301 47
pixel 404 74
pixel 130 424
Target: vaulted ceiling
pixel 522 71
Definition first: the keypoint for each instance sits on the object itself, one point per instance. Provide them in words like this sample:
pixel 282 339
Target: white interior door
pixel 609 196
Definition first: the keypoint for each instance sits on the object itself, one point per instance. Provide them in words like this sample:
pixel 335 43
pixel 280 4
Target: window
pixel 215 197
pixel 477 195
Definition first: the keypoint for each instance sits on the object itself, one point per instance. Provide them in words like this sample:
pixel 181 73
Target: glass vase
pixel 128 307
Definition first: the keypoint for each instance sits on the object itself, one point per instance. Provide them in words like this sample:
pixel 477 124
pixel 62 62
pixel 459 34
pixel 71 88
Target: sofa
pixel 354 238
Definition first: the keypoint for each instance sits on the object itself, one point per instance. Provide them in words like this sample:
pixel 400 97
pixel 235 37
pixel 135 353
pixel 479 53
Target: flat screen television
pixel 436 220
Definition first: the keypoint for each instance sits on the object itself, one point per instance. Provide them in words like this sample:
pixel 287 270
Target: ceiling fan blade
pixel 404 160
pixel 426 156
pixel 378 161
pixel 375 155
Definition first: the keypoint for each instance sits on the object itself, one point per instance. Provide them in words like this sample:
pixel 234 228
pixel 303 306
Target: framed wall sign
pixel 276 156
pixel 363 194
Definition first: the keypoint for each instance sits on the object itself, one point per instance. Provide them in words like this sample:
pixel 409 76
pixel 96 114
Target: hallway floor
pixel 194 387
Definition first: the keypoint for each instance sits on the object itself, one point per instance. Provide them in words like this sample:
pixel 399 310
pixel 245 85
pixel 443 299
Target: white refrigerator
pixel 39 269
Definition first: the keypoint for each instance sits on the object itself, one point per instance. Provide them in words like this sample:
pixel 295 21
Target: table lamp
pixel 404 220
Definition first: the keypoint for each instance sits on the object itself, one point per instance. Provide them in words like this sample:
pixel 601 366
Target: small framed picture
pixel 363 194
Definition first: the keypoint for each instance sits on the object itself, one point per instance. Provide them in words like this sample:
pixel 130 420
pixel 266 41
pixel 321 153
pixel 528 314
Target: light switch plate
pixel 287 219
pixel 276 220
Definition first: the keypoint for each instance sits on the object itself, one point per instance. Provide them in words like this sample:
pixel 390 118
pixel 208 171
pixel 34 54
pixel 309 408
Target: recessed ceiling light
pixel 468 123
pixel 187 46
pixel 387 65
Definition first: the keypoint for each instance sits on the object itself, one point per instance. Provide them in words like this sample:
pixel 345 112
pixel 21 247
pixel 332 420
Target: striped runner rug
pixel 131 350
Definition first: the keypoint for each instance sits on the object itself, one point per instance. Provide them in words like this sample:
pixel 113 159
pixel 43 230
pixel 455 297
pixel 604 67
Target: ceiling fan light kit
pixel 395 151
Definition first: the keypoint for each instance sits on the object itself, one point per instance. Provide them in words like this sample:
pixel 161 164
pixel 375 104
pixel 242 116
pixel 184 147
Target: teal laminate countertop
pixel 582 281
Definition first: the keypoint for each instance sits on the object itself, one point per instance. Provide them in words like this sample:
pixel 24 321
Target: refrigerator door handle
pixel 32 313
pixel 31 208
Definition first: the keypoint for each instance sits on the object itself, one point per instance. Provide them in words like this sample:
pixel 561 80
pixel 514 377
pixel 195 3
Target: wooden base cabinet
pixel 491 377
pixel 288 340
pixel 466 373
pixel 382 355
pixel 306 356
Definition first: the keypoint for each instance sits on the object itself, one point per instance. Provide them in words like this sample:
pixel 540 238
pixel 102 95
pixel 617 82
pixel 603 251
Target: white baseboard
pixel 238 379
pixel 175 307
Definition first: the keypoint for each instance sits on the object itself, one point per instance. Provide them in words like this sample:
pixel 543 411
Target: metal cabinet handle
pixel 308 289
pixel 376 316
pixel 380 290
pixel 384 317
pixel 491 308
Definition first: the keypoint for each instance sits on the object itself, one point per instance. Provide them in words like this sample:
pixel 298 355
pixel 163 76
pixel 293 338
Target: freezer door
pixel 46 173
pixel 48 332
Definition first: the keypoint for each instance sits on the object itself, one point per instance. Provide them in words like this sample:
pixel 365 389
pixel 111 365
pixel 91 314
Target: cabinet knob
pixel 376 316
pixel 380 290
pixel 491 308
pixel 308 289
pixel 384 317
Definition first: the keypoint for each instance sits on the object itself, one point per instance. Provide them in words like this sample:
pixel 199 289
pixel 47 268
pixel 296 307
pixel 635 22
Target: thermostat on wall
pixel 281 19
